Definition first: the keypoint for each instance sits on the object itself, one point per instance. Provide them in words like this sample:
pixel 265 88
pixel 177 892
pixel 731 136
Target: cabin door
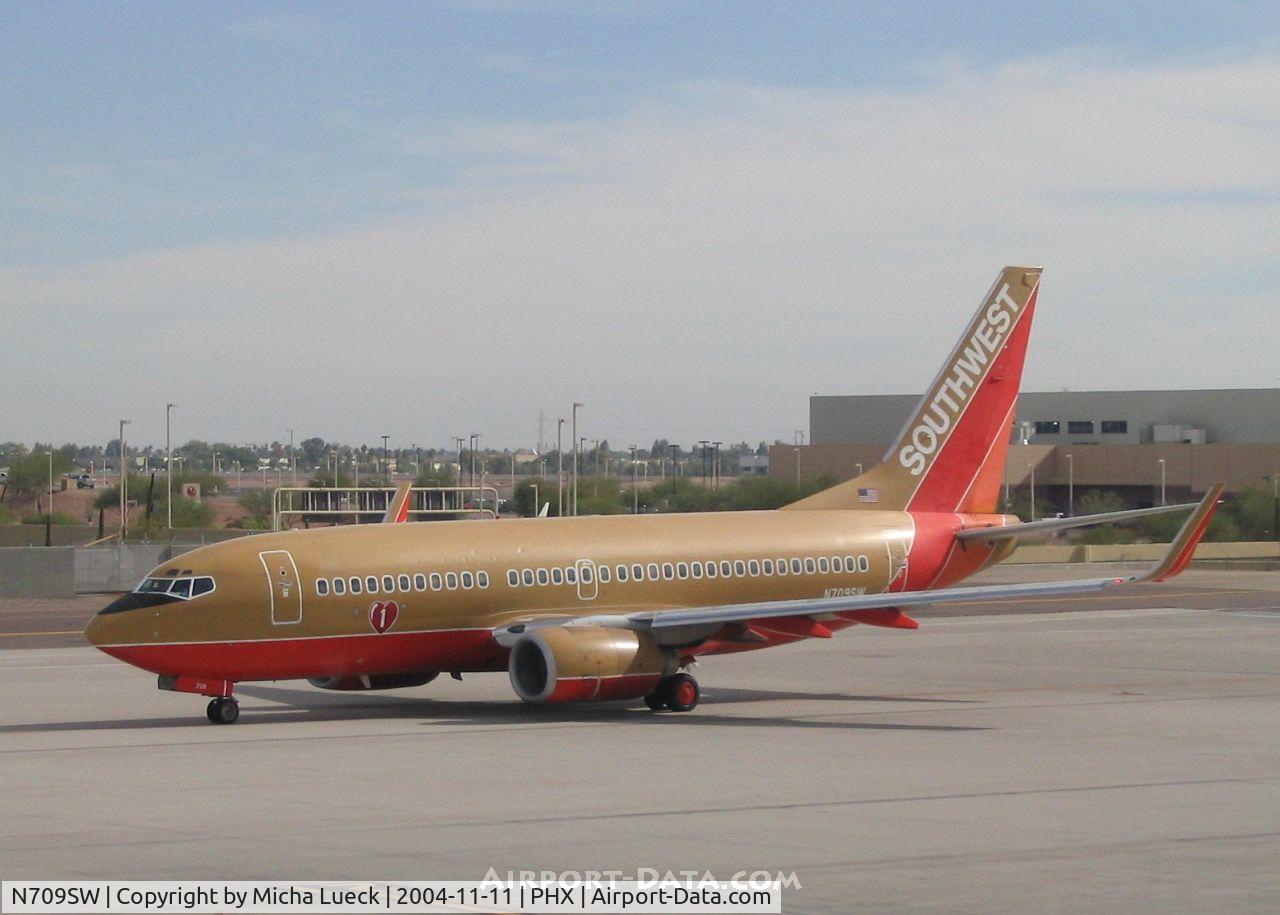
pixel 588 586
pixel 286 588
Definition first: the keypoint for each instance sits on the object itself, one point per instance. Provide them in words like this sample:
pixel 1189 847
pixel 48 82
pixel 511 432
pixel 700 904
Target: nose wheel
pixel 223 710
pixel 679 693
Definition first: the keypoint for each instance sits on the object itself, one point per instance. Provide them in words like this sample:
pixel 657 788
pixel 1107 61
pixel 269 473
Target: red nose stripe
pixel 287 659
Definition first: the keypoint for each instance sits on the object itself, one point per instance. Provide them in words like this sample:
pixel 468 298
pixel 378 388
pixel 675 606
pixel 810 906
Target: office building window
pixel 1048 427
pixel 1115 426
pixel 1080 427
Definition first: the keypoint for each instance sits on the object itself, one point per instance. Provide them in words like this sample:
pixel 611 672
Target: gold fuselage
pixel 236 630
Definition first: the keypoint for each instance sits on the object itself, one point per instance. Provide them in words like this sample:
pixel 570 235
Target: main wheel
pixel 223 710
pixel 682 693
pixel 656 700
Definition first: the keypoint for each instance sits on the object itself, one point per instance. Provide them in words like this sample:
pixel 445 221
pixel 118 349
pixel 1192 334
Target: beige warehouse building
pixel 1135 443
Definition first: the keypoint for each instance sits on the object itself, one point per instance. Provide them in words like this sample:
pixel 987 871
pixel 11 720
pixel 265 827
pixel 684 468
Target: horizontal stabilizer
pixel 1053 525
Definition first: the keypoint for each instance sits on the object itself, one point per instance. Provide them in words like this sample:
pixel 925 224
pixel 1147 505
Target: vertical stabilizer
pixel 950 455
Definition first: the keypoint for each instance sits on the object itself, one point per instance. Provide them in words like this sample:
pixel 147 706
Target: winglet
pixel 1189 537
pixel 398 505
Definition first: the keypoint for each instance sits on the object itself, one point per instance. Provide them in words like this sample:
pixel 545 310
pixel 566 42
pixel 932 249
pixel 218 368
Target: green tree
pixel 30 475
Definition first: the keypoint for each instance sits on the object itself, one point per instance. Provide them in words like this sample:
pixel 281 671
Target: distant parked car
pixel 84 481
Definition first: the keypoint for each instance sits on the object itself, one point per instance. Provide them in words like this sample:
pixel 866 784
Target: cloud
pixel 701 263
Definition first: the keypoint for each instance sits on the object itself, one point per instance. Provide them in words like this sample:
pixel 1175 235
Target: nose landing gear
pixel 679 693
pixel 223 710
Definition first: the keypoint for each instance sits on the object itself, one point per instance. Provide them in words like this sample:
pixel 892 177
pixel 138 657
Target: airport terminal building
pixel 1130 442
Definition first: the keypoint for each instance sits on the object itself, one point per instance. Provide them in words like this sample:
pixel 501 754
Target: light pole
pixel 797 451
pixel 293 459
pixel 559 467
pixel 635 493
pixel 124 484
pixel 48 515
pixel 1071 486
pixel 475 443
pixel 574 433
pixel 168 465
pixel 1160 461
pixel 386 462
pixel 582 447
pixel 1032 467
pixel 715 465
pixel 458 441
pixel 417 461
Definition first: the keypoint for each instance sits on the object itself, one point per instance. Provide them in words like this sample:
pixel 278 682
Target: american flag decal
pixel 868 495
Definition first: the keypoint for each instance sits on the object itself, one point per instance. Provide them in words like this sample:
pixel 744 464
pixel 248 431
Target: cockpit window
pixel 201 585
pixel 176 588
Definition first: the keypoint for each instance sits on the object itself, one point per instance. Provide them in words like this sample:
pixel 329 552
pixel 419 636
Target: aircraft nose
pixel 105 628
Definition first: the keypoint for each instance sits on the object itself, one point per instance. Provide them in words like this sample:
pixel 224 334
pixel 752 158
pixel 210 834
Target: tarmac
pixel 1103 757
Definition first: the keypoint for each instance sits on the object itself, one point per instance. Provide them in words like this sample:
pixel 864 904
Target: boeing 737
pixel 620 607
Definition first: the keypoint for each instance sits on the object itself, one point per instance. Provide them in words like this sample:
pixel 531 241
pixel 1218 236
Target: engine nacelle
pixel 375 681
pixel 586 663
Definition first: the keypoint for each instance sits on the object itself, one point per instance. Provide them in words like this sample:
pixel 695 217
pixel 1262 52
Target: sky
pixel 427 220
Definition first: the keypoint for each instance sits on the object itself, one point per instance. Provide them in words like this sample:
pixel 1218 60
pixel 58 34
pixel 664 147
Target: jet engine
pixel 375 681
pixel 586 663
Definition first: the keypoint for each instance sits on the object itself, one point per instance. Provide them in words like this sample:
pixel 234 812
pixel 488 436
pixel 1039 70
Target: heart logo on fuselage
pixel 382 615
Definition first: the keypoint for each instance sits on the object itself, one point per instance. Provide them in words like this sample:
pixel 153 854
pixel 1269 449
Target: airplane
pixel 621 607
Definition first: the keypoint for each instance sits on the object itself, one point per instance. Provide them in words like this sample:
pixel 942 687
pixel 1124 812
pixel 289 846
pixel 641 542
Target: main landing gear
pixel 679 693
pixel 223 710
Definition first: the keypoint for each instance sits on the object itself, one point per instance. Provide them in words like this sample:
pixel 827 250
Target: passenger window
pixel 204 585
pixel 339 586
pixel 782 567
pixel 850 565
pixel 622 573
pixel 403 581
pixel 712 572
pixel 468 581
pixel 419 582
pixel 371 585
pixel 527 577
pixel 796 567
pixel 809 565
pixel 753 567
pixel 824 565
pixel 557 576
pixel 436 581
pixel 571 575
pixel 695 569
pixel 513 578
pixel 739 568
pixel 388 584
pixel 682 570
pixel 355 585
pixel 768 566
pixel 322 587
pixel 181 587
pixel 482 579
pixel 543 577
pixel 652 570
pixel 604 575
pixel 725 569
pixel 668 571
pixel 451 580
pixel 587 576
pixel 864 564
pixel 637 572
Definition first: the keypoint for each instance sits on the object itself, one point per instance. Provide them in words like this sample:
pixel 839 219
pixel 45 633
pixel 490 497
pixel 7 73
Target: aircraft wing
pixel 884 609
pixel 993 533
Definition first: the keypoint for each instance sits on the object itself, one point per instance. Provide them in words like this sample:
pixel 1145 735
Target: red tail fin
pixel 950 455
